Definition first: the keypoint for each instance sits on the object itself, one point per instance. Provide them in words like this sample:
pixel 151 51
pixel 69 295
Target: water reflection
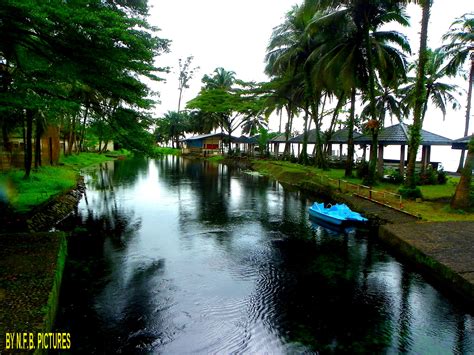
pixel 181 256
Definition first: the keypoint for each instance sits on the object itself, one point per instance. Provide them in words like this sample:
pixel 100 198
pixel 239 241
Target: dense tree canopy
pixel 69 59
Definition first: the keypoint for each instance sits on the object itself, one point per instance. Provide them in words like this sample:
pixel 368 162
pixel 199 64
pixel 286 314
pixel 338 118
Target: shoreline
pixel 447 259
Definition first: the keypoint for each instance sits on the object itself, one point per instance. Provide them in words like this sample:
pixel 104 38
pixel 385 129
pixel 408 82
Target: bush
pixel 428 177
pixel 410 193
pixel 394 176
pixel 362 169
pixel 442 177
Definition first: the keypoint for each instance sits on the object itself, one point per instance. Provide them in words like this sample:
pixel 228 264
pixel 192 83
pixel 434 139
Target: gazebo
pixel 461 143
pixel 339 137
pixel 275 141
pixel 398 135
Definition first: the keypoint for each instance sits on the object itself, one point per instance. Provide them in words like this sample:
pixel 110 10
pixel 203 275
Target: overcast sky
pixel 234 35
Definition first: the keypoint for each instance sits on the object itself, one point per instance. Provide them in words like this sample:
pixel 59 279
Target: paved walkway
pixel 379 212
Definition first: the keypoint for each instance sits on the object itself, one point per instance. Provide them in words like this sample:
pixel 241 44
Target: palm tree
pixel 436 91
pixel 356 52
pixel 222 79
pixel 388 101
pixel 420 97
pixel 287 57
pixel 462 196
pixel 461 49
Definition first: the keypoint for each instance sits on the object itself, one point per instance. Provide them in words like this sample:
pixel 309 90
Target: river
pixel 176 256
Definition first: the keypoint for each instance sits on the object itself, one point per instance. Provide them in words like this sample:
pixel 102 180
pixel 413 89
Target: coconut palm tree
pixel 222 79
pixel 460 49
pixel 357 52
pixel 287 55
pixel 439 93
pixel 420 97
pixel 462 197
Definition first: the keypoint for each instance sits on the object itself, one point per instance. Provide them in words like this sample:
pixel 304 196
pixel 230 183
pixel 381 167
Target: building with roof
pixel 461 143
pixel 398 134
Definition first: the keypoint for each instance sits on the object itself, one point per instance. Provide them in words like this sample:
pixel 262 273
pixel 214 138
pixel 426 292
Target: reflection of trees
pixel 316 297
pixel 210 185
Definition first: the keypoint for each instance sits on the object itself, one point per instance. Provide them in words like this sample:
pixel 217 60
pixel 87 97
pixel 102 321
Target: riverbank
pixel 47 182
pixel 31 268
pixel 444 251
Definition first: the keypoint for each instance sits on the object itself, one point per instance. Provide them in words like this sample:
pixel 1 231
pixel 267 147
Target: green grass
pixel 166 150
pixel 216 158
pixel 435 206
pixel 48 181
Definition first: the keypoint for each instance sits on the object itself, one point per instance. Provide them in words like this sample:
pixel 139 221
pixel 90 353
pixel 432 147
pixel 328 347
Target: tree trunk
pixel 415 136
pixel 179 100
pixel 281 114
pixel 335 115
pixel 38 133
pixel 28 143
pixel 373 150
pixel 304 153
pixel 83 129
pixel 468 111
pixel 71 138
pixel 319 157
pixel 286 152
pixel 350 137
pixel 462 196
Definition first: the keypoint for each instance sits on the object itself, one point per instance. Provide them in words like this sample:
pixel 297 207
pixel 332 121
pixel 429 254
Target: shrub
pixel 442 177
pixel 362 169
pixel 394 176
pixel 428 177
pixel 410 193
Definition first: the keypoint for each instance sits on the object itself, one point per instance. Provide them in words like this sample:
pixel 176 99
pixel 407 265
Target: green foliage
pixel 410 193
pixel 158 151
pixel 362 169
pixel 262 141
pixel 394 176
pixel 228 103
pixel 171 127
pixel 47 181
pixel 79 65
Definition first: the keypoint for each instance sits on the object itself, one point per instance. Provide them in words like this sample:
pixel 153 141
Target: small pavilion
pixel 339 137
pixel 399 135
pixel 276 141
pixel 461 143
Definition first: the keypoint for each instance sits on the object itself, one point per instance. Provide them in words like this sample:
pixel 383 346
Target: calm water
pixel 175 256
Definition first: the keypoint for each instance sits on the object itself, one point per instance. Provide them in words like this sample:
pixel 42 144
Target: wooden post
pixel 423 158
pixel 401 167
pixel 428 155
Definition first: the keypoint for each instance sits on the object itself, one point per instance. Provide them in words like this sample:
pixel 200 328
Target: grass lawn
pixel 48 181
pixel 434 207
pixel 166 150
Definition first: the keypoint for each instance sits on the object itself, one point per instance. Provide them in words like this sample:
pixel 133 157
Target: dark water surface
pixel 176 256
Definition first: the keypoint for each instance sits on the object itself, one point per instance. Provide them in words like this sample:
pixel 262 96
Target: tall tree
pixel 438 92
pixel 357 54
pixel 186 73
pixel 460 49
pixel 462 198
pixel 420 93
pixel 50 47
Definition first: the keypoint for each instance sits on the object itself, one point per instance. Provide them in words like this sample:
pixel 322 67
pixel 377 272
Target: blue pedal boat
pixel 335 214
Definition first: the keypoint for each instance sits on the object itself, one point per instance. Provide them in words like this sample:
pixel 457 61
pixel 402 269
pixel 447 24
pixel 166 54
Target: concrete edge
pixel 441 273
